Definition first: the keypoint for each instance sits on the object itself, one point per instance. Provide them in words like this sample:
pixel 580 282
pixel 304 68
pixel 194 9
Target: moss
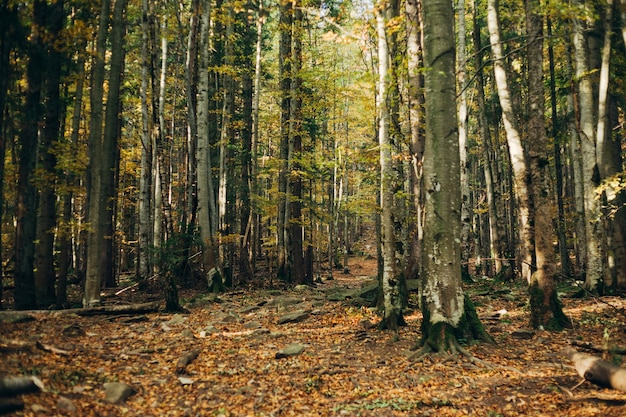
pixel 546 313
pixel 443 337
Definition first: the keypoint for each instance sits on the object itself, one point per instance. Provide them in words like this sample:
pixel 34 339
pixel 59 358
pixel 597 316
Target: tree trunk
pixel 145 239
pixel 46 220
pixel 496 234
pixel 247 246
pixel 110 149
pixel 416 143
pixel 95 234
pixel 590 176
pixel 447 313
pixel 392 302
pixel 296 222
pixel 545 307
pixel 466 219
pixel 26 209
pixel 558 166
pixel 285 25
pixel 516 150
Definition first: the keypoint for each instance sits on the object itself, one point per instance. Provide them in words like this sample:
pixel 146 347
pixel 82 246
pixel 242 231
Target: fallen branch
pixel 594 348
pixel 598 371
pixel 117 309
pixel 52 349
pixel 186 359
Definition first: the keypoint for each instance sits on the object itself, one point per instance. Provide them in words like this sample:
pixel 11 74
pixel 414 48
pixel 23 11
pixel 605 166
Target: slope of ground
pixel 347 367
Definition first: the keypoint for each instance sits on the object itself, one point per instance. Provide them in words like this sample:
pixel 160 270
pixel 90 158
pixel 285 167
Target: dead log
pixel 11 386
pixel 590 346
pixel 186 359
pixel 110 310
pixel 117 309
pixel 598 371
pixel 10 405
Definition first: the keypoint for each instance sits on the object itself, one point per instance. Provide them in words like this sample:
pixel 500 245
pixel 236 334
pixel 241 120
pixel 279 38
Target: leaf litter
pixel 231 358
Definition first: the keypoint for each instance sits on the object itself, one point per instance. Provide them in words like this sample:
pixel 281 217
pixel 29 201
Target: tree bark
pixel 46 220
pixel 26 210
pixel 594 262
pixel 96 233
pixel 392 302
pixel 545 307
pixel 516 150
pixel 447 312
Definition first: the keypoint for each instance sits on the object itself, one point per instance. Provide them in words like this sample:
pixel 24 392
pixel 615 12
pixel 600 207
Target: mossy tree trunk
pixel 449 315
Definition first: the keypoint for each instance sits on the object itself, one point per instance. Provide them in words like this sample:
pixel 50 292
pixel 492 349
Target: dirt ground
pixel 347 367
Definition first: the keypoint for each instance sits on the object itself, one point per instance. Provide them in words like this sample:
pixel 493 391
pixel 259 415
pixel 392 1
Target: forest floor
pixel 346 368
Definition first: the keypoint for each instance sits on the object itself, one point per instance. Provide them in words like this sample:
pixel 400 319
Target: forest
pixel 190 185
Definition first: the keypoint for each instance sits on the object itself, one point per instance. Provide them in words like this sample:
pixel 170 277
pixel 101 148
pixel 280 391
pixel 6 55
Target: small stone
pixel 293 349
pixel 117 392
pixel 176 319
pixel 523 334
pixel 252 325
pixel 65 404
pixel 294 317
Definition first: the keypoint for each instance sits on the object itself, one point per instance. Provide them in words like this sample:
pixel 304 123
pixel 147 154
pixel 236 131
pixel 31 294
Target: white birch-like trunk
pixel 391 296
pixel 462 115
pixel 587 136
pixel 514 141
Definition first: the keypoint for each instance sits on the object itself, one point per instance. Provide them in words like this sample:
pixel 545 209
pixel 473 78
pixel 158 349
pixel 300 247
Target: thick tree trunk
pixel 447 312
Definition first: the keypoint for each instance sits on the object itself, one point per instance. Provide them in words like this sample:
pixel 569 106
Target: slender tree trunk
pixel 144 255
pixel 46 220
pixel 416 143
pixel 284 60
pixel 590 175
pixel 516 150
pixel 110 150
pixel 246 245
pixel 26 208
pixel 558 166
pixel 95 235
pixel 466 219
pixel 206 201
pixel 296 222
pixel 496 239
pixel 545 307
pixel 255 222
pixel 392 303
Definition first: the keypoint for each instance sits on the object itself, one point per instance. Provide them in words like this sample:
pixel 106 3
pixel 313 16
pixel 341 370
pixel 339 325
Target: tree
pixel 586 127
pixel 448 314
pixel 51 132
pixel 392 301
pixel 545 307
pixel 514 141
pixel 96 233
pixel 26 212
